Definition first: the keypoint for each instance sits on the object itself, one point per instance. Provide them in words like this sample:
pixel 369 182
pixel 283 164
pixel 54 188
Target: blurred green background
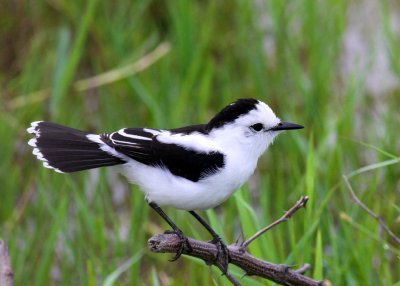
pixel 332 65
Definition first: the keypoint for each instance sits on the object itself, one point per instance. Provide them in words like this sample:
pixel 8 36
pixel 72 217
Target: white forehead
pixel 261 114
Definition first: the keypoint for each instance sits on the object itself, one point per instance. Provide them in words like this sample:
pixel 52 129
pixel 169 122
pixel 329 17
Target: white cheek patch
pixel 248 133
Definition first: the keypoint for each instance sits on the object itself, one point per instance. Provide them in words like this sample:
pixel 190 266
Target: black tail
pixel 68 150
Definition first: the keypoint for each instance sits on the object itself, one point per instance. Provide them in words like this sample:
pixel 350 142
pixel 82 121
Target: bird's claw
pixel 184 244
pixel 223 257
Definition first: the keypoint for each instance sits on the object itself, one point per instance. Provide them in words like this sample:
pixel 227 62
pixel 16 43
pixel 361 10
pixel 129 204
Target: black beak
pixel 286 126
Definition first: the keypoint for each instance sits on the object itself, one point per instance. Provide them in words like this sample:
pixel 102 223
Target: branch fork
pixel 252 266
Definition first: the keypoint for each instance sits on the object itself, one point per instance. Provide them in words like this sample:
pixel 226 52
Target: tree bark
pixel 281 274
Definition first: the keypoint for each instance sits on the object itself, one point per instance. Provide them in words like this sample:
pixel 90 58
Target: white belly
pixel 165 189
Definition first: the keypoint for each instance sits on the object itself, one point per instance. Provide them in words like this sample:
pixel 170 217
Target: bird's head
pixel 248 124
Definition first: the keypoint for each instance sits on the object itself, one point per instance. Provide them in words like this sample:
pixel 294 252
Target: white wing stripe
pixel 120 142
pixel 195 141
pixel 154 132
pixel 103 146
pixel 123 133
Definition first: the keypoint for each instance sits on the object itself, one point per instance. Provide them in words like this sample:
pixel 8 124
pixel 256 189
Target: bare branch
pixel 281 274
pixel 299 204
pixel 382 224
pixel 207 251
pixel 6 274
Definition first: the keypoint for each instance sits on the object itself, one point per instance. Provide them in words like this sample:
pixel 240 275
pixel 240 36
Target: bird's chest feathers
pixel 241 158
pixel 220 186
pixel 239 168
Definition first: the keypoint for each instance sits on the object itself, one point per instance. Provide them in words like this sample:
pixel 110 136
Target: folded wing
pixel 144 146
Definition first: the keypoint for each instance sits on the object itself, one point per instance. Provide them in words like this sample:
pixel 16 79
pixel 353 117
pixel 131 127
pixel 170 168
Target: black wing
pixel 143 146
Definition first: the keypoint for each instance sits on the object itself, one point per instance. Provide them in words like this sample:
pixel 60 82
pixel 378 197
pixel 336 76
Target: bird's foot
pixel 184 244
pixel 223 257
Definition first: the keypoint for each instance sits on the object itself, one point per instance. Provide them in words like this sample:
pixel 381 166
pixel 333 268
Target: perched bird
pixel 190 168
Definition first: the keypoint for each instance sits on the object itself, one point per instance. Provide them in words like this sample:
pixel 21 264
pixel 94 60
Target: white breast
pixel 165 189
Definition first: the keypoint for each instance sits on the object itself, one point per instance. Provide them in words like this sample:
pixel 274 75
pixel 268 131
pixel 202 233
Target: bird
pixel 191 168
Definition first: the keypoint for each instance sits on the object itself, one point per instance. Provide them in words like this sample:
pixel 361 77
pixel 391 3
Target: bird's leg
pixel 223 252
pixel 176 230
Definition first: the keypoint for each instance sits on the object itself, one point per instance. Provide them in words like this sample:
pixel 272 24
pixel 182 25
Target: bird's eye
pixel 257 127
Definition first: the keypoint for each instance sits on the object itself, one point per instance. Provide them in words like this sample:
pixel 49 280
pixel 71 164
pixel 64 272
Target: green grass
pixel 77 230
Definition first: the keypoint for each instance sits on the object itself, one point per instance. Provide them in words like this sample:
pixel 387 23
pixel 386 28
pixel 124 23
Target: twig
pixel 281 274
pixel 304 268
pixel 230 277
pixel 299 204
pixel 6 274
pixel 369 211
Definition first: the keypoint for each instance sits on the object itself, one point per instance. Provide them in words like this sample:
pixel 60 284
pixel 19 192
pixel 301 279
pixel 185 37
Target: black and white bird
pixel 190 168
